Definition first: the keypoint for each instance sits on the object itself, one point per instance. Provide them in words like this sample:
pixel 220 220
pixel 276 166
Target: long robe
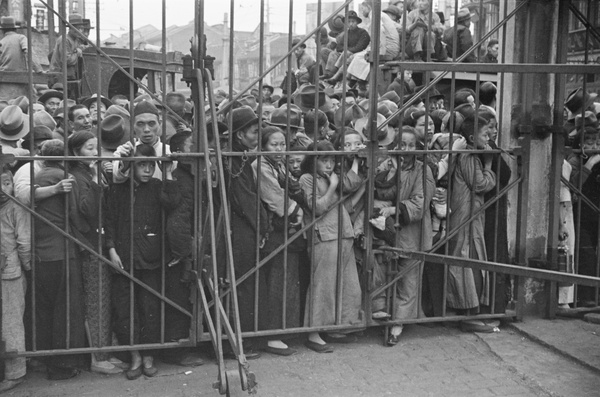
pixel 470 181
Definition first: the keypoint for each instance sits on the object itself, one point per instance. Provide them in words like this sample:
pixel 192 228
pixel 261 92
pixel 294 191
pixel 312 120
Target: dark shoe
pixel 280 352
pixel 393 340
pixel 58 373
pixel 349 338
pixel 133 374
pixel 475 326
pixel 318 347
pixel 150 371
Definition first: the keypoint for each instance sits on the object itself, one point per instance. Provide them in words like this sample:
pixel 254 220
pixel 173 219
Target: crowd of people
pixel 81 293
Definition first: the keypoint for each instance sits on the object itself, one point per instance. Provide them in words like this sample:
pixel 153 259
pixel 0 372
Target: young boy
pixel 15 229
pixel 149 198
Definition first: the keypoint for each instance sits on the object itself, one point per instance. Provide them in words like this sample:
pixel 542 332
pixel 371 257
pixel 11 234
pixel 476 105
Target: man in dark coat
pixel 464 40
pixel 358 40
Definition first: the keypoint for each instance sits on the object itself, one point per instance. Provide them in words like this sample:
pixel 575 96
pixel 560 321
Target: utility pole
pixel 225 56
pixel 268 46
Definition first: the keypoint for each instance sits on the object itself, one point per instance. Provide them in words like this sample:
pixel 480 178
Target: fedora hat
pixel 352 15
pixel 385 136
pixel 296 41
pixel 279 118
pixel 463 14
pixel 14 124
pixel 393 10
pixel 88 102
pixel 243 117
pixel 50 94
pixel 352 113
pixel 269 87
pixel 43 118
pixel 250 101
pixel 22 102
pixel 113 132
pixel 576 100
pixel 434 94
pixel 8 23
pixel 120 111
pixel 305 99
pixel 336 24
pixel 77 20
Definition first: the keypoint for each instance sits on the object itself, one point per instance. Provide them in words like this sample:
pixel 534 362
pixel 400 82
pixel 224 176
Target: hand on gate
pixel 64 186
pixel 115 258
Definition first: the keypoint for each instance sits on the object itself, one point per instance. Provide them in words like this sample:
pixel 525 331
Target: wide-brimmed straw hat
pixel 14 124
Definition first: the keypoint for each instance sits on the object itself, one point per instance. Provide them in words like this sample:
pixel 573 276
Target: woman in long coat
pixel 468 288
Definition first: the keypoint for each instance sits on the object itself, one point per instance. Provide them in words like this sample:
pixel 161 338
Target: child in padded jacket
pixel 150 195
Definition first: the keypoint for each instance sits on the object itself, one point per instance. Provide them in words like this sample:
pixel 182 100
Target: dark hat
pixel 113 131
pixel 22 102
pixel 176 101
pixel 336 24
pixel 391 96
pixel 221 127
pixel 393 10
pixel 87 103
pixel 305 99
pixel 463 14
pixel 120 111
pixel 8 23
pixel 243 117
pixel 296 41
pixel 14 124
pixel 351 114
pixel 77 20
pixel 352 15
pixel 58 87
pixel 576 100
pixel 50 94
pixel 589 120
pixel 279 118
pixel 250 101
pixel 43 118
pixel 145 107
pixel 434 94
pixel 269 87
pixel 39 133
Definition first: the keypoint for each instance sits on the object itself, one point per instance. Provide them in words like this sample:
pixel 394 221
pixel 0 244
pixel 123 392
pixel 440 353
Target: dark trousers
pixel 51 313
pixel 146 310
pixel 177 324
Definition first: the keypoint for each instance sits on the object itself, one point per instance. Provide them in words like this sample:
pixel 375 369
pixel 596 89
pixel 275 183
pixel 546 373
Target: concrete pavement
pixel 429 361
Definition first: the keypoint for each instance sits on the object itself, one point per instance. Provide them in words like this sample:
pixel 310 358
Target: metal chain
pixel 236 175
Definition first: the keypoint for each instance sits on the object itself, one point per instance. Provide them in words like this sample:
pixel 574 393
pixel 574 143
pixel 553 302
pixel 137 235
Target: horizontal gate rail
pixel 101 257
pixel 548 68
pixel 549 275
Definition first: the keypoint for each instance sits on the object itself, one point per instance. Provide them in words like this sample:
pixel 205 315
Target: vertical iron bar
pixel 131 182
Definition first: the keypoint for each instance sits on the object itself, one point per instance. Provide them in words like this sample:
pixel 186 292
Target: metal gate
pixel 270 258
